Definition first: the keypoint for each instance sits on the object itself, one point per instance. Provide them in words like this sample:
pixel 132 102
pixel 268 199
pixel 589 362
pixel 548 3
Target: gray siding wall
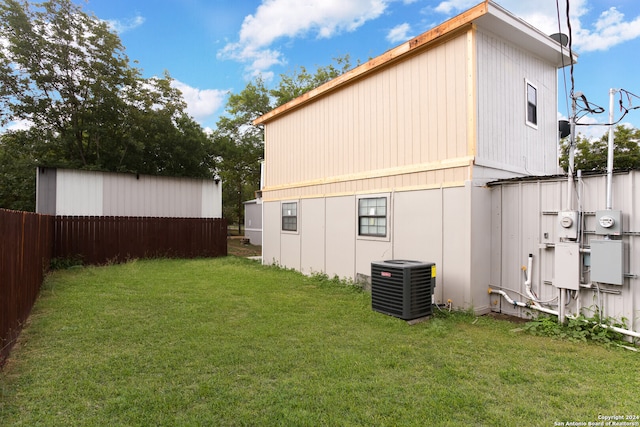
pixel 340 242
pixel 505 141
pixel 78 192
pixel 253 221
pixel 46 191
pixel 524 222
pixel 146 195
pixel 448 226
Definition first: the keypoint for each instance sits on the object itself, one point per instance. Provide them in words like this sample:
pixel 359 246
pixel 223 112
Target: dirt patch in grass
pixel 507 317
pixel 236 246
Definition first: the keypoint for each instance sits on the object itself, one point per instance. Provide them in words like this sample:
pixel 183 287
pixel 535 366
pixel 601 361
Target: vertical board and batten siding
pixel 156 196
pixel 524 221
pixel 397 128
pixel 79 192
pixel 92 193
pixel 505 141
pixel 253 221
pixel 46 191
pixel 431 225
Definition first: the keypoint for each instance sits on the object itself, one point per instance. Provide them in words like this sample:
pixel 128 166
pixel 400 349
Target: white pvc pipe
pixel 527 282
pixel 522 304
pixel 555 313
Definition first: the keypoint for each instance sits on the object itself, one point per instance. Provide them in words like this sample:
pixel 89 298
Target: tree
pixel 238 144
pixel 66 74
pixel 592 155
pixel 17 171
pixel 300 81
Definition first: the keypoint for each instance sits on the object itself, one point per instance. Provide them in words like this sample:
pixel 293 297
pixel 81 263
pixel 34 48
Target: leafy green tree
pixel 301 81
pixel 238 144
pixel 591 155
pixel 67 74
pixel 17 171
pixel 63 71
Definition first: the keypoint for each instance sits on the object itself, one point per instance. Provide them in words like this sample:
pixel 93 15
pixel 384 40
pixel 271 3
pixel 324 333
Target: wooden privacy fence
pixel 26 243
pixel 99 240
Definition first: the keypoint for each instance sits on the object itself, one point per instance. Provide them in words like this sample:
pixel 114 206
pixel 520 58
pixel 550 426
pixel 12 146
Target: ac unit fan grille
pixel 402 291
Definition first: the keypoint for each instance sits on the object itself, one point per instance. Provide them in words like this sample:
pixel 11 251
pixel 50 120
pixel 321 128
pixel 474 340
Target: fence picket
pixel 30 241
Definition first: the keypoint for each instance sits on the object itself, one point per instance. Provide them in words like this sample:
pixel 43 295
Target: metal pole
pixel 610 151
pixel 572 152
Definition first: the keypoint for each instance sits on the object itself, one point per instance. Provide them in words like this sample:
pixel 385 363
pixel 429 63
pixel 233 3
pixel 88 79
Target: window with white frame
pixel 290 216
pixel 532 104
pixel 372 217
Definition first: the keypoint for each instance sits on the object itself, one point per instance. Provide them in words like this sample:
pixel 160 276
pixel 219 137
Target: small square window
pixel 372 217
pixel 532 105
pixel 290 216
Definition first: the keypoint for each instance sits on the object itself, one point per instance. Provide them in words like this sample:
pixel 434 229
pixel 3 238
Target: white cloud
pixel 399 33
pixel 201 103
pixel 451 6
pixel 608 30
pixel 19 125
pixel 124 26
pixel 277 19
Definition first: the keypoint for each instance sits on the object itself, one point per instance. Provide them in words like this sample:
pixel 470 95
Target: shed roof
pixel 486 15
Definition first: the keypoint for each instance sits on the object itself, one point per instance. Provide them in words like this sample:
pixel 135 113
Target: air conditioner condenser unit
pixel 403 288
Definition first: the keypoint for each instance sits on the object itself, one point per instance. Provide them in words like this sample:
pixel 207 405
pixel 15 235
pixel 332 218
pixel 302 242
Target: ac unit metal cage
pixel 403 288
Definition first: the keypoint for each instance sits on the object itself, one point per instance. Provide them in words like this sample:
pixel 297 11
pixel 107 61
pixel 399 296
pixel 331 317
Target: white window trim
pixel 297 230
pixel 528 83
pixel 386 238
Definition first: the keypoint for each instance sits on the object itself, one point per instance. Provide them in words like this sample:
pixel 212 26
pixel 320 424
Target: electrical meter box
pixel 609 223
pixel 567 266
pixel 568 225
pixel 607 261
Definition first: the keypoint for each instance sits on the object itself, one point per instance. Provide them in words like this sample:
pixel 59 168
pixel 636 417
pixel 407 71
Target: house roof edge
pixel 392 55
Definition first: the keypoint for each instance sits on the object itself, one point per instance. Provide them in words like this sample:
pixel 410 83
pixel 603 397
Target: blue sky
pixel 213 47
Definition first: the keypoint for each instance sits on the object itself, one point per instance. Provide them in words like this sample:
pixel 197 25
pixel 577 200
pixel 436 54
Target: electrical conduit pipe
pixel 527 281
pixel 522 304
pixel 555 313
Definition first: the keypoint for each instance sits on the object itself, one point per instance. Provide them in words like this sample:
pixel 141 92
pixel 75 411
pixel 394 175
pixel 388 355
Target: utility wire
pixel 573 83
pixel 595 109
pixel 564 70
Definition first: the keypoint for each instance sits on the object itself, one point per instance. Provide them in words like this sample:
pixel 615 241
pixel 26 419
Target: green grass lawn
pixel 223 342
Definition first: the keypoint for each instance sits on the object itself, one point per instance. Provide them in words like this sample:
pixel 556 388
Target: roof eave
pixel 504 24
pixel 486 15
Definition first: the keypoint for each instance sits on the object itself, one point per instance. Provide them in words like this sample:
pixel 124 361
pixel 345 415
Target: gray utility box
pixel 567 266
pixel 403 288
pixel 607 261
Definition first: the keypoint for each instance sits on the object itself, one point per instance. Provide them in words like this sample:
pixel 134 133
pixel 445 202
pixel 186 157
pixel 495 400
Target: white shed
pixel 83 193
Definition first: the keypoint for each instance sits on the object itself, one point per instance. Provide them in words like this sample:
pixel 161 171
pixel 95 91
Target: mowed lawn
pixel 226 342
